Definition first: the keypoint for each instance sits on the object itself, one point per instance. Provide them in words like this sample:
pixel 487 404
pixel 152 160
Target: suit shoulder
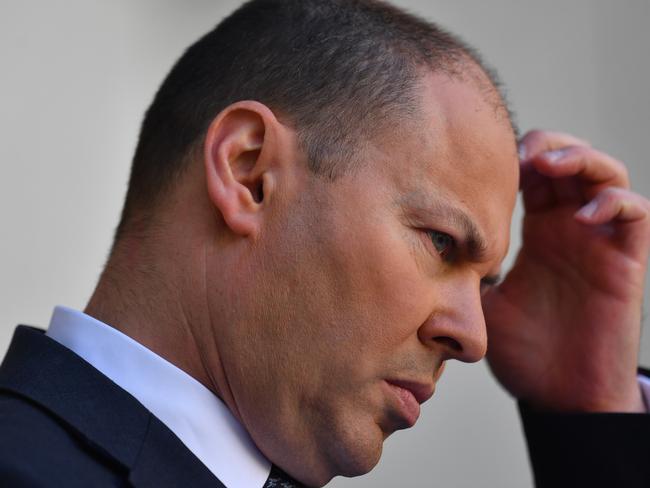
pixel 36 449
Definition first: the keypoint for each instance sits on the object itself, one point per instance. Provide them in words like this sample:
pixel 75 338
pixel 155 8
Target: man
pixel 318 208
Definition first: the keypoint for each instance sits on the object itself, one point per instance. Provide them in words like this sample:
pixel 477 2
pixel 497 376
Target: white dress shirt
pixel 198 417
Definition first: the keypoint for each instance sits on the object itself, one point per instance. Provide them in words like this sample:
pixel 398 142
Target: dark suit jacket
pixel 590 450
pixel 63 423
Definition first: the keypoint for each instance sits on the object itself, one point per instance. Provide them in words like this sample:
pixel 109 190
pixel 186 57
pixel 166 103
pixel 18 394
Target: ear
pixel 242 146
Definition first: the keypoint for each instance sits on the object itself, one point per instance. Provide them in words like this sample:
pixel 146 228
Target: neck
pixel 141 297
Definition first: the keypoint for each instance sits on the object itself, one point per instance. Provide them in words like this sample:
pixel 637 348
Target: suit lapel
pixel 165 461
pixel 100 413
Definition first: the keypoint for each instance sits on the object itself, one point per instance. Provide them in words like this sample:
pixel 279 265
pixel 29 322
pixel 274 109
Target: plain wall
pixel 76 77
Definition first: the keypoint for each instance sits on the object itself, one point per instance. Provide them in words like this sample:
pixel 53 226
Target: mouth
pixel 410 395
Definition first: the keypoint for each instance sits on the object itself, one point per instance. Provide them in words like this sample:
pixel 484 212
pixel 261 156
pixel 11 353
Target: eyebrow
pixel 473 239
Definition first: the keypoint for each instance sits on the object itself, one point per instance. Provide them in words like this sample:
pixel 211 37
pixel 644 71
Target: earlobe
pixel 236 156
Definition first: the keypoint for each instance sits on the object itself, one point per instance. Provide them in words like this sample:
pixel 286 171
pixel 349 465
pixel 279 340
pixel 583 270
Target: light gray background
pixel 76 77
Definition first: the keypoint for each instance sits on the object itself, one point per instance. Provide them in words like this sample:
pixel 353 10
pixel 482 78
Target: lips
pixel 421 391
pixel 409 396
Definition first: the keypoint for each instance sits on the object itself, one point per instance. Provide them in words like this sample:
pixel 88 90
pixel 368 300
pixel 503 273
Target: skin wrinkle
pixel 215 383
pixel 204 361
pixel 436 211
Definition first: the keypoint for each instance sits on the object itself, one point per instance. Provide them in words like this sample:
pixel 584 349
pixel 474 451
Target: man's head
pixel 324 186
pixel 338 71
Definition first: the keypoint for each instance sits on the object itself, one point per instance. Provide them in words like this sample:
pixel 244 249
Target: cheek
pixel 332 303
pixel 327 317
pixel 381 285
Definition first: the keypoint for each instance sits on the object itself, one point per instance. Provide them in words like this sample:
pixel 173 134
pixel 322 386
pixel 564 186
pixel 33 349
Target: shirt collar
pixel 198 417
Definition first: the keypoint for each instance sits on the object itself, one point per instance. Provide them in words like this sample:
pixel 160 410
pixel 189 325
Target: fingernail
pixel 554 156
pixel 521 149
pixel 588 210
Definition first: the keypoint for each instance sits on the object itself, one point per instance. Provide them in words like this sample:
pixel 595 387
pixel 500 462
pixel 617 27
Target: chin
pixel 357 451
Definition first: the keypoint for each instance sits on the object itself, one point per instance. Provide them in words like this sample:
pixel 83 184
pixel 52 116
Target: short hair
pixel 337 71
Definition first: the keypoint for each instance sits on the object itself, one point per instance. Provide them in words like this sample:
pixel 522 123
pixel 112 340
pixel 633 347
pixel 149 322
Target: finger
pixel 537 191
pixel 614 204
pixel 593 166
pixel 536 142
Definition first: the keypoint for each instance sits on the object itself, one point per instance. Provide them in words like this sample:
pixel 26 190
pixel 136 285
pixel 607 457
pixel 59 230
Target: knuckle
pixel 611 195
pixel 591 154
pixel 604 159
pixel 533 136
pixel 619 169
pixel 623 170
pixel 535 133
pixel 546 139
pixel 582 152
pixel 645 203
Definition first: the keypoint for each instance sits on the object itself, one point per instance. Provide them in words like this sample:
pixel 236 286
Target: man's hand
pixel 564 326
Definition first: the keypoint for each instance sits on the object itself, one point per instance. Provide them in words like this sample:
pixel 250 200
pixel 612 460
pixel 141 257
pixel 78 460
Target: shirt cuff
pixel 644 384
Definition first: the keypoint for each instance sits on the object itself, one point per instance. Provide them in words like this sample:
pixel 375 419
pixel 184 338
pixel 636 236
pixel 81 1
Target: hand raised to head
pixel 564 325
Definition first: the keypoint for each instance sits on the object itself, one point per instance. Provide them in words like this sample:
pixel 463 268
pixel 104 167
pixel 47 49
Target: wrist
pixel 634 402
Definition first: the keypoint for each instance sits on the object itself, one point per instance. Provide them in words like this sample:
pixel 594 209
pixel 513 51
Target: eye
pixel 443 243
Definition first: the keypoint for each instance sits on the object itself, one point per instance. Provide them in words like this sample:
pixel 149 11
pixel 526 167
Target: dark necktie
pixel 280 479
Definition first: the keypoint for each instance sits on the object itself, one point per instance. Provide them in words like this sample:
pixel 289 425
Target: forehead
pixel 460 150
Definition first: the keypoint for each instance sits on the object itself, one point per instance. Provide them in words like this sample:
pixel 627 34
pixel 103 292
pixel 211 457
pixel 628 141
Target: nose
pixel 456 326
